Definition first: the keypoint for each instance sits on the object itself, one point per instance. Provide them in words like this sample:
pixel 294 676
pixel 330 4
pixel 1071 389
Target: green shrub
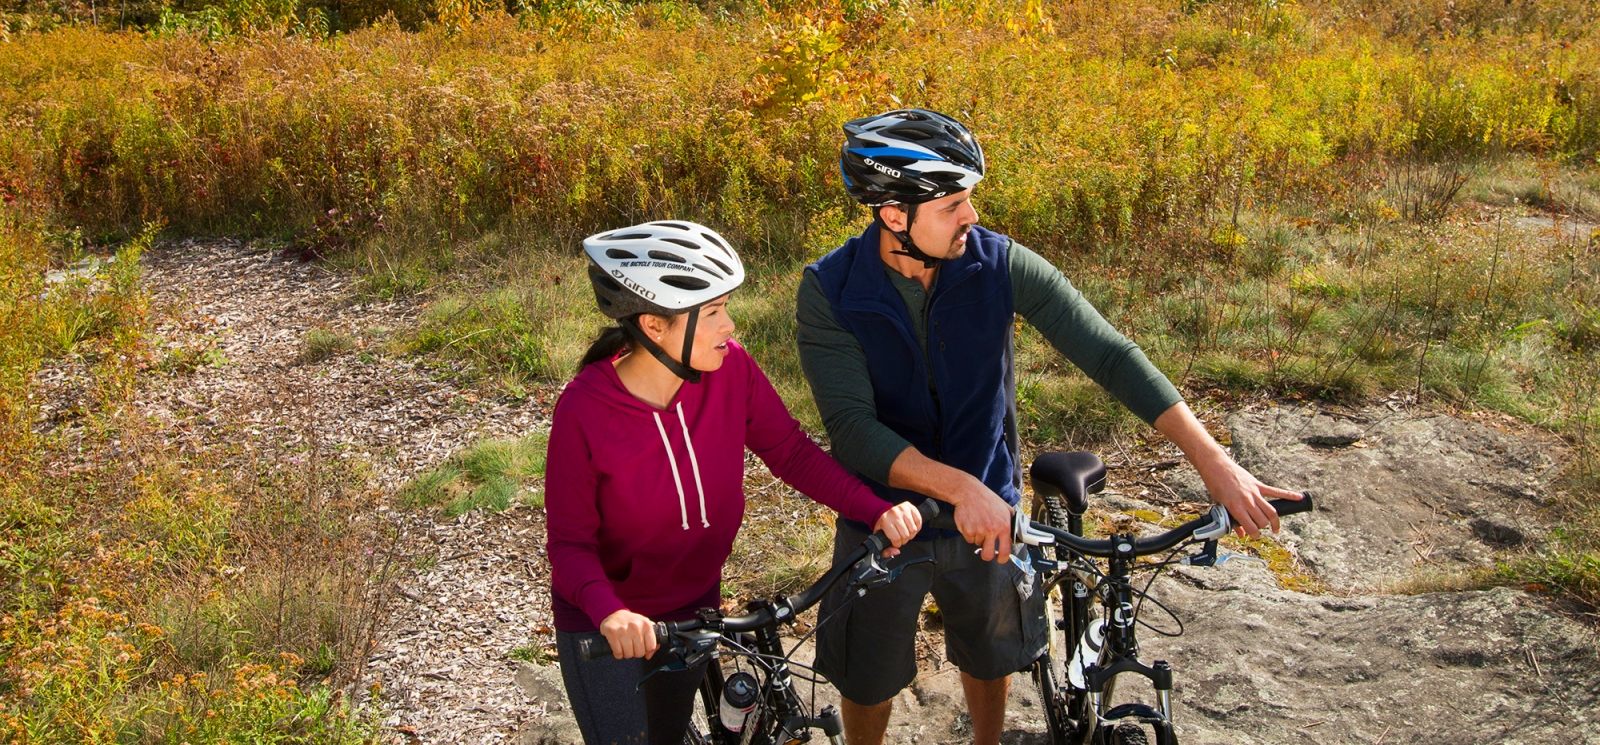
pixel 488 475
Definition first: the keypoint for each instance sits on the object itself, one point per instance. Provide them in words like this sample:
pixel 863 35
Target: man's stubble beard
pixel 958 249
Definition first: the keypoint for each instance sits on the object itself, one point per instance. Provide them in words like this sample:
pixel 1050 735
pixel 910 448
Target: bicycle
pixel 760 706
pixel 1076 689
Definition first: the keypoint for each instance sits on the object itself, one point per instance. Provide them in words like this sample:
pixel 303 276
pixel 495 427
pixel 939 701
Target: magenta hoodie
pixel 642 504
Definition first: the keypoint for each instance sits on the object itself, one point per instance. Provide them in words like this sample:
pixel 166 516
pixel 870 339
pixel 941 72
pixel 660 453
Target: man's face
pixel 940 229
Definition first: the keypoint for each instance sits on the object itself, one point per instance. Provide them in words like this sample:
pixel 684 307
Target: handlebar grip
pixel 1291 507
pixel 595 647
pixel 929 510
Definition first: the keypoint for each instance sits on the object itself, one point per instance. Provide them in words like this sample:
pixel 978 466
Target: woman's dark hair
pixel 611 340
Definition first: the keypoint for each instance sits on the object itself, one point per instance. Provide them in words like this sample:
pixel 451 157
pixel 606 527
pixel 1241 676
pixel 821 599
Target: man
pixel 905 339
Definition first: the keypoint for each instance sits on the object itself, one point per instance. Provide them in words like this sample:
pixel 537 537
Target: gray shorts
pixel 867 649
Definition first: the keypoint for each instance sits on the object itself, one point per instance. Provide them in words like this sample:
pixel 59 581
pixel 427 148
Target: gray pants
pixel 613 709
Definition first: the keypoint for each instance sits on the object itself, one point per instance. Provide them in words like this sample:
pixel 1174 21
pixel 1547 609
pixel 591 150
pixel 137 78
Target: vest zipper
pixel 927 365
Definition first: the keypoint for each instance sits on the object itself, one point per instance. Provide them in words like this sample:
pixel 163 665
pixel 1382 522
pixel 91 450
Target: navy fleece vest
pixel 956 405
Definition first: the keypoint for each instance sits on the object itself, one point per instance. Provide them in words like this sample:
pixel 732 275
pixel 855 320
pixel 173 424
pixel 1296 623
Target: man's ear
pixel 893 217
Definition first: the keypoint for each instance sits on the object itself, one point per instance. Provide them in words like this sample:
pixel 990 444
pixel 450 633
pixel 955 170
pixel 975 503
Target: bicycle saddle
pixel 1070 476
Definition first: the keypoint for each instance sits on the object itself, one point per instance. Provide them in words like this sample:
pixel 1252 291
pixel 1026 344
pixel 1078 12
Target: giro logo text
pixel 887 171
pixel 632 285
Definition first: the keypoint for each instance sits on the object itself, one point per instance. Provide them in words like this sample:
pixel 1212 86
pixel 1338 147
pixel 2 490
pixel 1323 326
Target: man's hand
pixel 983 518
pixel 900 524
pixel 1245 497
pixel 630 634
pixel 1230 485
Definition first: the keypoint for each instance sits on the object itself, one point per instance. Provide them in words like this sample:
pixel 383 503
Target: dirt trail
pixel 1404 494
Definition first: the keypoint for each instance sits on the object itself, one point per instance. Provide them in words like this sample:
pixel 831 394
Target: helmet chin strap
pixel 907 246
pixel 680 369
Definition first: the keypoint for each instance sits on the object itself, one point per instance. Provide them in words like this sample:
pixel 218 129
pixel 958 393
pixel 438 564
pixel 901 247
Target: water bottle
pixel 739 694
pixel 1087 653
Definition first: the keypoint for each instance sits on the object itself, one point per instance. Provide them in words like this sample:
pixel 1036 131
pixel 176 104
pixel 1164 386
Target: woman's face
pixel 711 334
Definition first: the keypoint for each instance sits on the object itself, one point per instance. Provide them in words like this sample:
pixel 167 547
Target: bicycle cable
pixel 1144 595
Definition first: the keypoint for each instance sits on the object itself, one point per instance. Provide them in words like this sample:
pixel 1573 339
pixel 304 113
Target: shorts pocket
pixel 1034 635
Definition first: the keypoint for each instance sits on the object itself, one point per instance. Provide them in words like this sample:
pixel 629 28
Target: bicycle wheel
pixel 1050 670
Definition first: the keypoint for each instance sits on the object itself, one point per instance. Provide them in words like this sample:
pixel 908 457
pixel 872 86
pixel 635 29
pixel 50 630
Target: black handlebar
pixel 783 609
pixel 1106 548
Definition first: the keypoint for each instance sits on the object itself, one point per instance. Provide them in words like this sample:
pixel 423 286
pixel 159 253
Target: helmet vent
pixel 707 270
pixel 956 156
pixel 674 225
pixel 720 265
pixel 681 242
pixel 617 253
pixel 692 284
pixel 624 236
pixel 668 256
pixel 715 241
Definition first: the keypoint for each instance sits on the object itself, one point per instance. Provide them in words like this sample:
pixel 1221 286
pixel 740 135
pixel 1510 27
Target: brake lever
pixel 1210 557
pixel 698 647
pixel 669 667
pixel 870 573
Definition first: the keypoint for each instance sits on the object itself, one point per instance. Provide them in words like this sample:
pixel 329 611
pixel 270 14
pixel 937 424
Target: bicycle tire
pixel 1129 733
pixel 1050 670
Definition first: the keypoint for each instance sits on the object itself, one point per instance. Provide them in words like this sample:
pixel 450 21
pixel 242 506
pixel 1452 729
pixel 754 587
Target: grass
pixel 785 544
pixel 321 344
pixel 542 654
pixel 150 591
pixel 1263 194
pixel 1283 564
pixel 488 475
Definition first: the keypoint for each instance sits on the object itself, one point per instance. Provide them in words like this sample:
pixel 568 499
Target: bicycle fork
pixel 784 702
pixel 1121 648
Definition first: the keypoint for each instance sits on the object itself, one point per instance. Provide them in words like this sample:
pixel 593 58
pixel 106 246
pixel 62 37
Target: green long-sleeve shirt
pixel 836 367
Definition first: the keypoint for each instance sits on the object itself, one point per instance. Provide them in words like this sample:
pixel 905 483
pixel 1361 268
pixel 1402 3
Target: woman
pixel 644 479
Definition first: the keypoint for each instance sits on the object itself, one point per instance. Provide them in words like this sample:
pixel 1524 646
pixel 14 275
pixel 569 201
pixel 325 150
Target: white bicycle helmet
pixel 665 267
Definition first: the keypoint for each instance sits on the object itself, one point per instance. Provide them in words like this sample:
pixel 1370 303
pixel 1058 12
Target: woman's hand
pixel 901 523
pixel 630 634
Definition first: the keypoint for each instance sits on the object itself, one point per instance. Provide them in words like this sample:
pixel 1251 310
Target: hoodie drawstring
pixel 673 461
pixel 704 523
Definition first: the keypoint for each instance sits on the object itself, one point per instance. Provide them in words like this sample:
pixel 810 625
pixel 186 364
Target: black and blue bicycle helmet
pixel 908 156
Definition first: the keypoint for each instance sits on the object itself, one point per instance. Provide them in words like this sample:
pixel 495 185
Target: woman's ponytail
pixel 610 341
